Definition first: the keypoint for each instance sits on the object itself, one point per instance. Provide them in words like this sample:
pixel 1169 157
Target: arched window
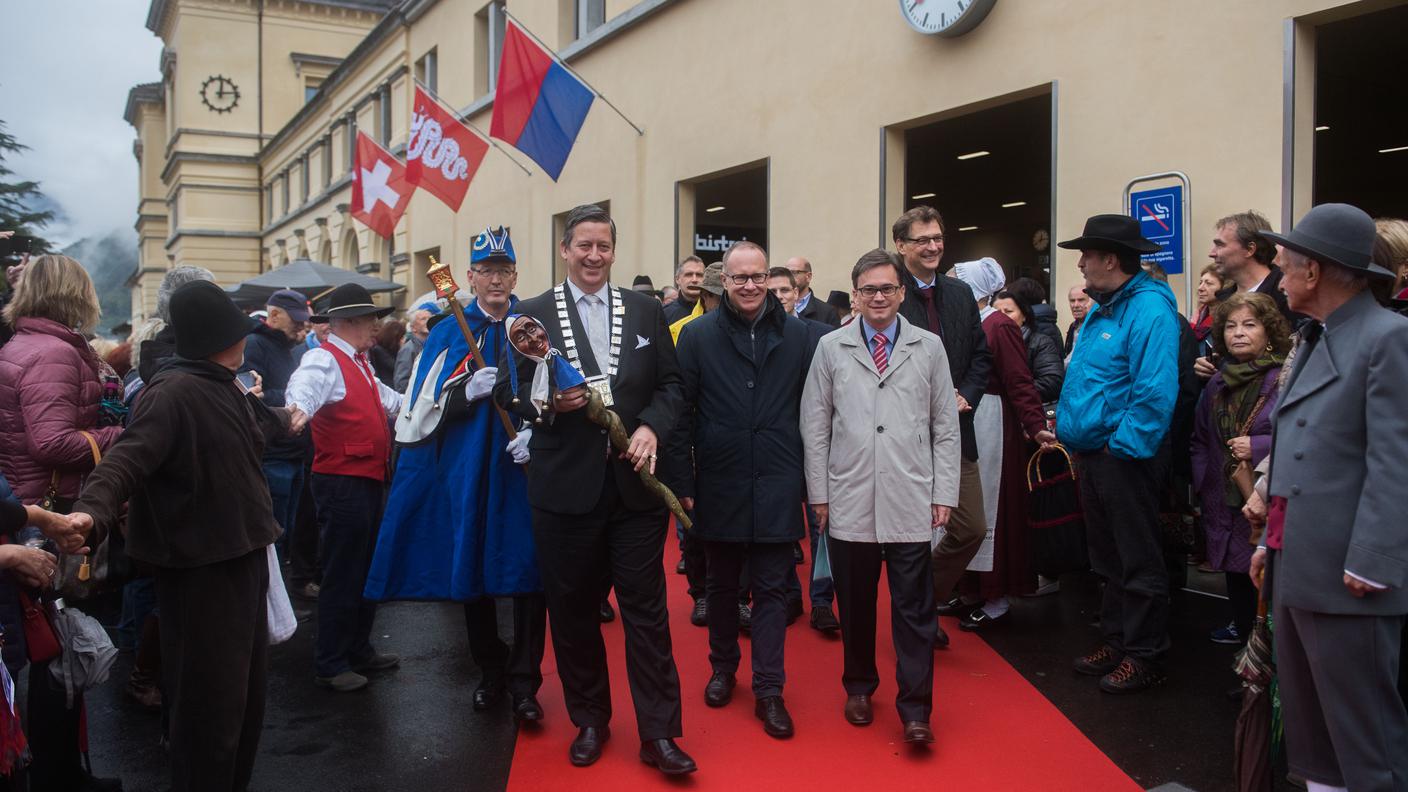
pixel 351 254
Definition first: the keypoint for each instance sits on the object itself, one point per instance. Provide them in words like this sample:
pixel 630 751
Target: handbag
pixel 1057 519
pixel 106 565
pixel 41 643
pixel 1241 473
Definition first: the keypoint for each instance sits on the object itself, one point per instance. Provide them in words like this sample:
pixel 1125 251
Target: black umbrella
pixel 1253 736
pixel 307 276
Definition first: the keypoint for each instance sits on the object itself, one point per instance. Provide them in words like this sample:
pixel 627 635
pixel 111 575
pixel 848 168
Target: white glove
pixel 518 447
pixel 481 384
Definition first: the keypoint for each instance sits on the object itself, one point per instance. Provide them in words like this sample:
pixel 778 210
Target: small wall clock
pixel 219 93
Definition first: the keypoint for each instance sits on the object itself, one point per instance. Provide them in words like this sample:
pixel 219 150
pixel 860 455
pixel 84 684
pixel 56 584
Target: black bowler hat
pixel 206 320
pixel 1336 233
pixel 839 300
pixel 1113 233
pixel 348 301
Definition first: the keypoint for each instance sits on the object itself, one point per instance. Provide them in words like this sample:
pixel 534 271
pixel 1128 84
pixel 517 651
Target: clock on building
pixel 1040 240
pixel 945 17
pixel 219 93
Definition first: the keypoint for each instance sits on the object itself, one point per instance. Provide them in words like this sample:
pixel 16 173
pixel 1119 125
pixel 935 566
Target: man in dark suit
pixel 594 522
pixel 808 305
pixel 946 308
pixel 1338 542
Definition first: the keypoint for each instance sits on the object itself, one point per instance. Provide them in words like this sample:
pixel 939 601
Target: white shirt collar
pixel 336 340
pixel 578 294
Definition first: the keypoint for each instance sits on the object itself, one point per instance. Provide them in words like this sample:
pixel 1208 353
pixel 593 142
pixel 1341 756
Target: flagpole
pixel 452 111
pixel 573 72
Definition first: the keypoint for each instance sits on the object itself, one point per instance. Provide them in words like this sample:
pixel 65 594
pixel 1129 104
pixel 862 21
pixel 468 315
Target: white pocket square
pixel 642 342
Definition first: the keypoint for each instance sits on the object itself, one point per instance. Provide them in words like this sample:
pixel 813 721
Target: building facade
pixel 806 126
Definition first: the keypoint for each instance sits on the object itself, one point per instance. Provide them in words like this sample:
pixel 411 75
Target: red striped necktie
pixel 882 359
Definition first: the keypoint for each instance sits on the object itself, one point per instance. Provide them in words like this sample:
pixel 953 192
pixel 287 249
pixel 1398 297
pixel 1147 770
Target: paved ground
pixel 414 729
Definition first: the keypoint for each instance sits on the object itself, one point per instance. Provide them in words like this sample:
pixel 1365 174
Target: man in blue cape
pixel 457 524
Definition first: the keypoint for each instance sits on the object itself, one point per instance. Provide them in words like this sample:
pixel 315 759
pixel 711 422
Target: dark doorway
pixel 988 173
pixel 1361 113
pixel 729 208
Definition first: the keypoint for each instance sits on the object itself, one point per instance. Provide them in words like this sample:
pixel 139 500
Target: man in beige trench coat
pixel 881 440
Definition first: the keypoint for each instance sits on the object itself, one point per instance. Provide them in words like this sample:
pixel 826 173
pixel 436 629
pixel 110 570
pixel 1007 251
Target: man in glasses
pixel 946 308
pixel 808 306
pixel 743 367
pixel 880 428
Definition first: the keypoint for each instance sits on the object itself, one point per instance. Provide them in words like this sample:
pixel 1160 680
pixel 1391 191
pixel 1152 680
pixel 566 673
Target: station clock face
pixel 945 17
pixel 219 93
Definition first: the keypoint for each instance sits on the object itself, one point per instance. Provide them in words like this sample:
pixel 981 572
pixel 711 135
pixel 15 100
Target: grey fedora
pixel 1336 233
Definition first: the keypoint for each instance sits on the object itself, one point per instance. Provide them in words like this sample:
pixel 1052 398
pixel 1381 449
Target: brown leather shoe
pixel 918 732
pixel 858 710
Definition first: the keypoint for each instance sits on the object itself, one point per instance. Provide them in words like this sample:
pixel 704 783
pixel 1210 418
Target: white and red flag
pixel 380 189
pixel 442 154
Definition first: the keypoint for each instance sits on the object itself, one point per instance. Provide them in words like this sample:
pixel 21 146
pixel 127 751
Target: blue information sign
pixel 1160 215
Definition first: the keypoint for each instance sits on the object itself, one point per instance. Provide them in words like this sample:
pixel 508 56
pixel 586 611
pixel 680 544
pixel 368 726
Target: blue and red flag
pixel 539 105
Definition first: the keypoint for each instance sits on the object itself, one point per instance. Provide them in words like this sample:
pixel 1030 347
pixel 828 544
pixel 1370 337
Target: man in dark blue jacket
pixel 744 366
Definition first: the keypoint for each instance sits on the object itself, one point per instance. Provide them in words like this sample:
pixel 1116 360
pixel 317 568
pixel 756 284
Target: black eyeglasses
pixel 494 272
pixel 869 292
pixel 758 278
pixel 936 239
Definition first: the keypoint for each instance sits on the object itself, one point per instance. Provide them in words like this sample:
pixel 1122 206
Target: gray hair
pixel 175 279
pixel 143 332
pixel 688 260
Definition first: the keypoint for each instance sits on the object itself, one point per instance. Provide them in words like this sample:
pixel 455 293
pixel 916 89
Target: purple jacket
pixel 49 391
pixel 1229 535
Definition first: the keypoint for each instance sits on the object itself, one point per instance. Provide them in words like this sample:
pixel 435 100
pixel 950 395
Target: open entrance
pixel 1361 113
pixel 988 172
pixel 722 208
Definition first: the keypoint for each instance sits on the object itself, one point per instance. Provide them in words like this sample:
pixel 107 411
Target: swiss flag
pixel 380 190
pixel 442 154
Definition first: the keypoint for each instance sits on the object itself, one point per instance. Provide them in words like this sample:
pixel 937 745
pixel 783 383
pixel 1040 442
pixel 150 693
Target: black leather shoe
pixel 608 613
pixel 587 748
pixel 823 620
pixel 719 691
pixel 953 606
pixel 699 617
pixel 776 721
pixel 979 619
pixel 940 637
pixel 680 568
pixel 797 559
pixel 745 617
pixel 665 756
pixel 527 708
pixel 487 695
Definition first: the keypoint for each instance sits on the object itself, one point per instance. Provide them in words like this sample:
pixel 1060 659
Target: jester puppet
pixel 457 523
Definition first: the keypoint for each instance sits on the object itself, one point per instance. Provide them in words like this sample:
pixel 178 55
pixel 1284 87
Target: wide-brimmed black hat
pixel 206 320
pixel 348 301
pixel 1111 232
pixel 1336 233
pixel 839 300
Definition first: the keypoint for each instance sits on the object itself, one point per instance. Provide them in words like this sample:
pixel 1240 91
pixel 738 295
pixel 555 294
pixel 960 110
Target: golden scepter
pixel 444 282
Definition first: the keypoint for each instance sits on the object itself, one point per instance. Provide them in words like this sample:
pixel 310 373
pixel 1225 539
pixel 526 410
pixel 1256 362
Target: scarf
pixel 1232 409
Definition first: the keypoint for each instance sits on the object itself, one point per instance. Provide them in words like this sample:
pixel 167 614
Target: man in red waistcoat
pixel 335 390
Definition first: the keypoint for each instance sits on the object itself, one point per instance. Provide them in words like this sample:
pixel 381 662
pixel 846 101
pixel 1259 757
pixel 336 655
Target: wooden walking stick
pixel 444 282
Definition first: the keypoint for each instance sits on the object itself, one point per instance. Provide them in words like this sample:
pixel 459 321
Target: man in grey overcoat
pixel 1338 542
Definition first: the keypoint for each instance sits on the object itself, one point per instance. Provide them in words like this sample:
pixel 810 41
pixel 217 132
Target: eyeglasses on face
pixel 758 278
pixel 869 292
pixel 494 272
pixel 925 241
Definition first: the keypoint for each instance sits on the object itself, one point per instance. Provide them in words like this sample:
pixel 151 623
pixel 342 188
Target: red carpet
pixel 994 730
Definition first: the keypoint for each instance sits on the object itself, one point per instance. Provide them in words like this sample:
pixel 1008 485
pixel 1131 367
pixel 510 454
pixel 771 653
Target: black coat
pixel 678 310
pixel 960 328
pixel 818 310
pixel 1046 324
pixel 1047 363
pixel 1271 287
pixel 275 356
pixel 569 453
pixel 742 396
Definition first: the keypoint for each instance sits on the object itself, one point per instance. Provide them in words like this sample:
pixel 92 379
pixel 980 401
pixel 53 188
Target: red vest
pixel 352 437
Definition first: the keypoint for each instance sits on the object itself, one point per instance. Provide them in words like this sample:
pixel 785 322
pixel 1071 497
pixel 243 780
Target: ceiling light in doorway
pixel 1392 150
pixel 1014 204
pixel 968 228
pixel 1322 128
pixel 921 196
pixel 713 209
pixel 973 155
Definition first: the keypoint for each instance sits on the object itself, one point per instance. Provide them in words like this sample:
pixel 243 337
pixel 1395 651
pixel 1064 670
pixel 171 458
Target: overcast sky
pixel 63 87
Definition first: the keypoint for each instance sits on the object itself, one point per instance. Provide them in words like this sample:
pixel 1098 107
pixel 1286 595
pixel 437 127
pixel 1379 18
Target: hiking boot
pixel 1099 662
pixel 1132 676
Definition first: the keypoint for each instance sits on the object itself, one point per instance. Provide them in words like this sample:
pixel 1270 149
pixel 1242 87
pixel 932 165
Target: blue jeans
pixel 285 477
pixel 349 511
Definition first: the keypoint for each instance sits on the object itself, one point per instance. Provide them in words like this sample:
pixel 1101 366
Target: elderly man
pixel 881 437
pixel 808 305
pixel 594 522
pixel 200 515
pixel 688 277
pixel 1338 542
pixel 1116 407
pixel 743 368
pixel 418 329
pixel 1080 304
pixel 334 390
